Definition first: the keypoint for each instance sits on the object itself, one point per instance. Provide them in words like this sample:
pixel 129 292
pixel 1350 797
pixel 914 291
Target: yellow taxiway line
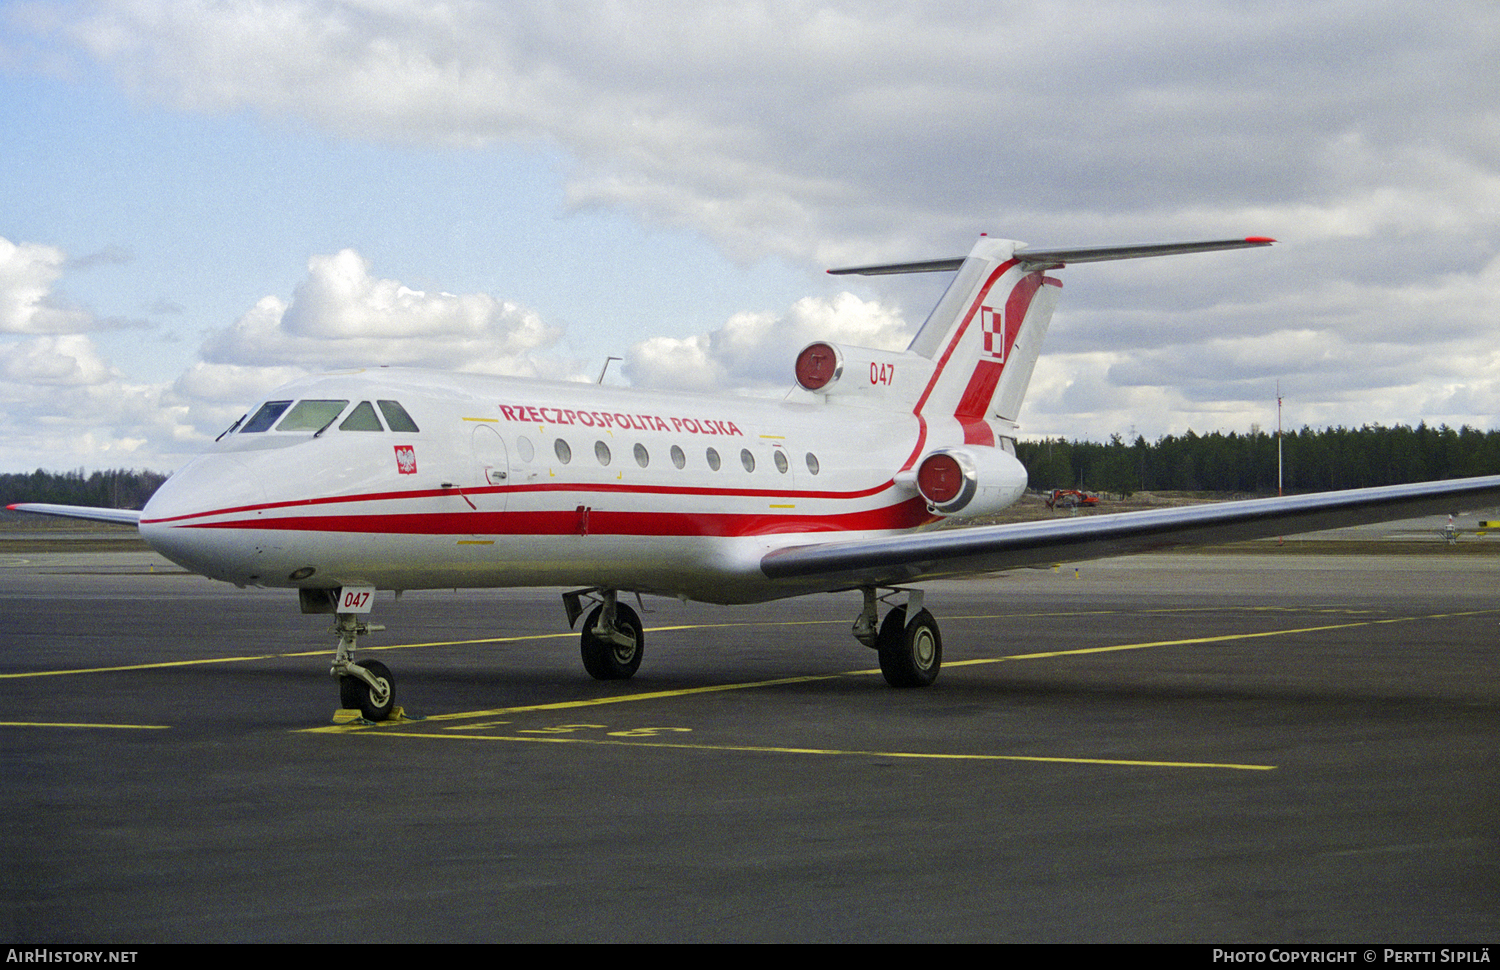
pixel 65 724
pixel 845 752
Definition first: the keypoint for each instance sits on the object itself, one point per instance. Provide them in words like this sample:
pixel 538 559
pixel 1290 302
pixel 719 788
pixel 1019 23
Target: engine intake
pixel 974 480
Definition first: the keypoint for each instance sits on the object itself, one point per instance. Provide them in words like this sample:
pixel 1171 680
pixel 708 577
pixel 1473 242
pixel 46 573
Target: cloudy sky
pixel 200 200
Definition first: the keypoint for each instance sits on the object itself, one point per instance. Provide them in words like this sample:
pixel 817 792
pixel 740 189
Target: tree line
pixel 1312 461
pixel 119 488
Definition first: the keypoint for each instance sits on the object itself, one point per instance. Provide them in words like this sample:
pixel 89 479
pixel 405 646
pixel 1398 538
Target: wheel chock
pixel 352 715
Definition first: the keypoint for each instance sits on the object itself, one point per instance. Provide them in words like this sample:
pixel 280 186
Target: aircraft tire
pixel 354 692
pixel 605 659
pixel 911 654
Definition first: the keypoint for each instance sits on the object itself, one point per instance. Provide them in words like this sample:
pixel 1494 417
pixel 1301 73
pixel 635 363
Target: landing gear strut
pixel 910 646
pixel 613 640
pixel 367 684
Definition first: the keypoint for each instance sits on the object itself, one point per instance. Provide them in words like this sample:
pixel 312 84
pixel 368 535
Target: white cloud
pixel 776 127
pixel 27 304
pixel 70 360
pixel 341 316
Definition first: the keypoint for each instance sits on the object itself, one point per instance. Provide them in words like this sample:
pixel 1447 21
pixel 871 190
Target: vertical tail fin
pixel 984 337
pixel 986 332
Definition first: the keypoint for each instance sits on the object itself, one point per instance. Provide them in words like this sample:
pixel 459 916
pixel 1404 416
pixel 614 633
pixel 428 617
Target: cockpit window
pixel 396 416
pixel 362 418
pixel 311 415
pixel 266 416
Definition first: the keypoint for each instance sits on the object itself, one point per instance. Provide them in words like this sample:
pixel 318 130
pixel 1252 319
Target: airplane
pixel 345 483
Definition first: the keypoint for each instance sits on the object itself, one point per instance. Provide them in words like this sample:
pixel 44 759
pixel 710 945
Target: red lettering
pixel 881 373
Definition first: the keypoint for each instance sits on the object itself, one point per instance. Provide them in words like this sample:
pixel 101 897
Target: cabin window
pixel 642 456
pixel 781 463
pixel 713 459
pixel 523 445
pixel 812 463
pixel 312 415
pixel 266 416
pixel 747 459
pixel 564 453
pixel 601 452
pixel 396 417
pixel 362 418
pixel 678 458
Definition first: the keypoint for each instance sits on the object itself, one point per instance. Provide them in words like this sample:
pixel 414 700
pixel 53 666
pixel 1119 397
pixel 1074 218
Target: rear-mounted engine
pixel 861 375
pixel 972 481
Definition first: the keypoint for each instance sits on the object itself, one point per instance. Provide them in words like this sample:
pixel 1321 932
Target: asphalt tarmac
pixel 1210 748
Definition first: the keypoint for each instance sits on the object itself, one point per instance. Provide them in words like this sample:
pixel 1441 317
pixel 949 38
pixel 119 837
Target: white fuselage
pixel 511 482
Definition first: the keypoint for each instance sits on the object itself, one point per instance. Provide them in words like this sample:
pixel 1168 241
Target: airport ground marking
pixel 834 752
pixel 653 695
pixel 65 724
pixel 1220 638
pixel 371 648
pixel 813 678
pixel 780 681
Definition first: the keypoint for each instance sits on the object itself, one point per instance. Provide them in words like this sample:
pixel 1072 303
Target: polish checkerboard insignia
pixel 992 325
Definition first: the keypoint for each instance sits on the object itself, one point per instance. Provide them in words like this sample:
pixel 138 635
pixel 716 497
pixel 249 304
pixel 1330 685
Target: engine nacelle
pixel 860 375
pixel 971 480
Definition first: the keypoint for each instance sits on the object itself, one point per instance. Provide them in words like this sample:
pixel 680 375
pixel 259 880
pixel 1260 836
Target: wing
pixel 117 516
pixel 955 552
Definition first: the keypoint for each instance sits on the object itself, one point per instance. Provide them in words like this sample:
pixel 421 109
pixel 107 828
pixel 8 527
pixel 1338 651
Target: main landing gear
pixel 613 641
pixel 908 641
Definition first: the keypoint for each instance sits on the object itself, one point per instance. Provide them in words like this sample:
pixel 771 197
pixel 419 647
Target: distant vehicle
pixel 1070 498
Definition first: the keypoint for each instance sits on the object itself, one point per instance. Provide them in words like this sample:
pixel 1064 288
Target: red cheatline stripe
pixel 600 487
pixel 904 515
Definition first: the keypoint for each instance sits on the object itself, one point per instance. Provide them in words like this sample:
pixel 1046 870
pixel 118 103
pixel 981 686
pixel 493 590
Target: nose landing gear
pixel 367 684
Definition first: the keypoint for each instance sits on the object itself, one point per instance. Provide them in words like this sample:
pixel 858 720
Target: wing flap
pixel 117 516
pixel 932 555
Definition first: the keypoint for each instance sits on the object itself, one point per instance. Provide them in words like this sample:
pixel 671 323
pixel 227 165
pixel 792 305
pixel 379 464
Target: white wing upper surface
pixel 955 552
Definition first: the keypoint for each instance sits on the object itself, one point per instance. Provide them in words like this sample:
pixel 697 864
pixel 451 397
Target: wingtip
pixel 1259 240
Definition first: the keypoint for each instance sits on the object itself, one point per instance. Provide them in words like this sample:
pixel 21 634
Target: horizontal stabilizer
pixel 117 516
pixel 1061 257
pixel 890 269
pixel 1040 258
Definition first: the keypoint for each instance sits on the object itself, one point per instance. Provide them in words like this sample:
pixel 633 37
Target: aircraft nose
pixel 185 520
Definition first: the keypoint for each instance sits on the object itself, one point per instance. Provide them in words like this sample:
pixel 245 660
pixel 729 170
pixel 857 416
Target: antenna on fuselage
pixel 605 368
